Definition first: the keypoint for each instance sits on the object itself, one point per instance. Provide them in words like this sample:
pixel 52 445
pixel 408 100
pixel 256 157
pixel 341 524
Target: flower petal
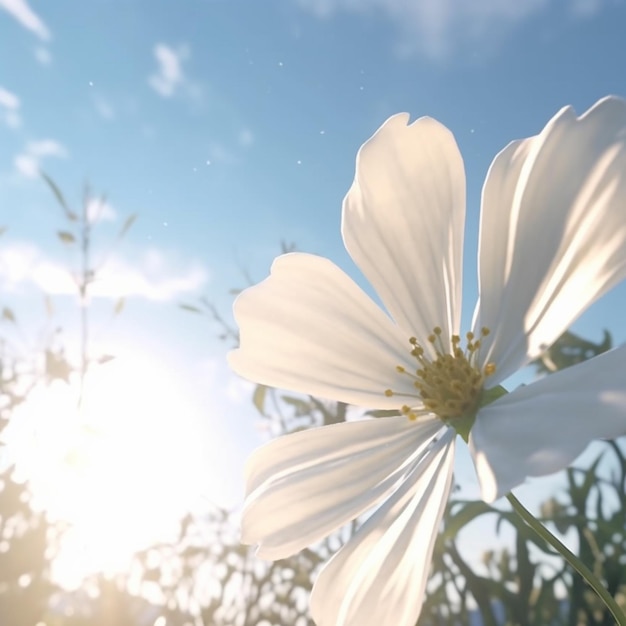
pixel 541 428
pixel 311 329
pixel 403 222
pixel 379 576
pixel 552 233
pixel 305 485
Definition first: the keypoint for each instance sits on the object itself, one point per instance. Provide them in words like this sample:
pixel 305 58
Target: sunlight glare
pixel 121 471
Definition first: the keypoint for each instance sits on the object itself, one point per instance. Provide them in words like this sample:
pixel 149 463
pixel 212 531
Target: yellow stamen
pixel 489 369
pixel 448 379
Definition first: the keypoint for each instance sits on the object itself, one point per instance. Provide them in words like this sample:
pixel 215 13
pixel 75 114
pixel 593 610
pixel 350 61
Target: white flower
pixel 552 240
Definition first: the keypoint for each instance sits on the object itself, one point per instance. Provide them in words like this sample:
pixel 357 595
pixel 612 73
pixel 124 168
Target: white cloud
pixel 246 138
pixel 99 210
pixel 22 12
pixel 169 76
pixel 218 153
pixel 28 161
pixel 9 108
pixel 233 152
pixel 9 100
pixel 103 108
pixel 438 28
pixel 43 55
pixel 238 390
pixel 46 147
pixel 585 8
pixel 152 278
pixel 155 275
pixel 26 165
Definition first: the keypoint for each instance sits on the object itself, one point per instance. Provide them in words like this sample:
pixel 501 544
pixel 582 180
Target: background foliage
pixel 207 578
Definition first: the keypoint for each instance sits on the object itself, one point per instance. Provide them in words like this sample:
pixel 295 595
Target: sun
pixel 120 470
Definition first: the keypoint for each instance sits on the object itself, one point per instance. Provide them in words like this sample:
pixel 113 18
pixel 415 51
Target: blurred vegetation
pixel 207 578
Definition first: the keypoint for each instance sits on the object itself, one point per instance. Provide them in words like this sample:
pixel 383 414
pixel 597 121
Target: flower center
pixel 449 385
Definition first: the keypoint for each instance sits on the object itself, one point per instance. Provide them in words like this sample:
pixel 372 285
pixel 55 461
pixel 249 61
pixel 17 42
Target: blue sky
pixel 230 126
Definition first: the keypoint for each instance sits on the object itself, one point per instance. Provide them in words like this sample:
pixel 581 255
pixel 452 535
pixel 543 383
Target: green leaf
pixel 66 237
pixel 468 512
pixel 570 349
pixel 301 406
pixel 59 197
pixel 383 413
pixel 525 573
pixel 589 481
pixel 8 315
pixel 57 366
pixel 119 305
pixel 190 307
pixel 258 398
pixel 49 305
pixel 491 395
pixel 526 531
pixel 462 425
pixel 130 220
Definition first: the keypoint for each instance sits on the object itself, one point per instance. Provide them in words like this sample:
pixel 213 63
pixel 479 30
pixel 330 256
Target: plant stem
pixel 592 580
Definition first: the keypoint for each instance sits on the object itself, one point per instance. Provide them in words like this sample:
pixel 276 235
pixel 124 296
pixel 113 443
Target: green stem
pixel 592 580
